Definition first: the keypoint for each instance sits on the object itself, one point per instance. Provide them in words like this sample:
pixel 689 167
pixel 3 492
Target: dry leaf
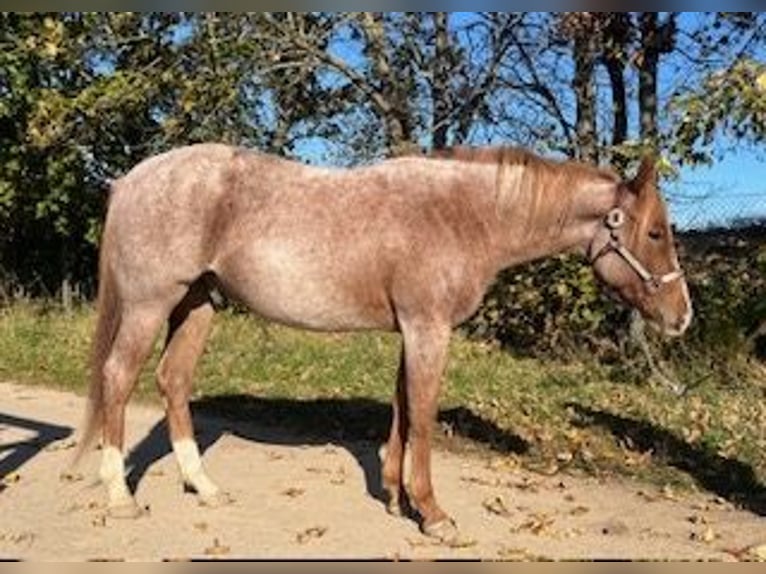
pixel 537 524
pixel 668 493
pixel 516 554
pixel 71 477
pixel 61 445
pixel 461 542
pixel 318 470
pixel 416 543
pixel 565 457
pixel 309 533
pixel 293 492
pixel 201 526
pixel 217 549
pixel 496 505
pixel 10 478
pixel 709 535
pixel 758 552
pixel 579 511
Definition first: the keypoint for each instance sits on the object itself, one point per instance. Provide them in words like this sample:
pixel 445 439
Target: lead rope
pixel 638 334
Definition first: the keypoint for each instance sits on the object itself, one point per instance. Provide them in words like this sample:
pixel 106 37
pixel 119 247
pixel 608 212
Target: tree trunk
pixel 395 106
pixel 440 86
pixel 647 77
pixel 585 92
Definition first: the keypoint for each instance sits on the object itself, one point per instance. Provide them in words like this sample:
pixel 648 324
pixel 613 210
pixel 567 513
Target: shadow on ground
pixel 13 455
pixel 729 478
pixel 358 425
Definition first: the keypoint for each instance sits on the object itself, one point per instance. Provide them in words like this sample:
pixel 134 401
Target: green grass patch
pixel 551 416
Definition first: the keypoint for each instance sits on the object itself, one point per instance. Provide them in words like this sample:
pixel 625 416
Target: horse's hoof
pixel 215 499
pixel 127 510
pixel 444 531
pixel 394 508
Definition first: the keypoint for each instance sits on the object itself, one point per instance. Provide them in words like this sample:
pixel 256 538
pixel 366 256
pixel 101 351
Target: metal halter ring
pixel 615 218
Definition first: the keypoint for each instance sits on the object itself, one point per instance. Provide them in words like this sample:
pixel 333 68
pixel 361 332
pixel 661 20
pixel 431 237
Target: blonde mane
pixel 541 189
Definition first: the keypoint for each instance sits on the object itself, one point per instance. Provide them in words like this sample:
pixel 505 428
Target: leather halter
pixel 613 221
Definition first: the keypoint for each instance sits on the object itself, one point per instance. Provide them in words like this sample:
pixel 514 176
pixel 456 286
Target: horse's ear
pixel 646 177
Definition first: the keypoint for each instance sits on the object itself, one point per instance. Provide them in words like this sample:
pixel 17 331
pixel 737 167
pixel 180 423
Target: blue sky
pixel 733 186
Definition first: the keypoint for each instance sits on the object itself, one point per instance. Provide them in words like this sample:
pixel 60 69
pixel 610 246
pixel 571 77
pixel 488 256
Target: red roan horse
pixel 408 245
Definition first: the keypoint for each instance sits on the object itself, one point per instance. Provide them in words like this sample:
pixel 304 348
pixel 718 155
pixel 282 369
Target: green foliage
pixel 555 309
pixel 552 307
pixel 730 101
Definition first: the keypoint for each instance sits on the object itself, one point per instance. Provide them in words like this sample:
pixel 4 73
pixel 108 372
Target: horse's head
pixel 634 255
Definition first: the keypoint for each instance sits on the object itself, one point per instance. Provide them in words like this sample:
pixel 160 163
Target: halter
pixel 614 220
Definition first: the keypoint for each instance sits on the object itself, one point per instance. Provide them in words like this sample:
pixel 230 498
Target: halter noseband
pixel 614 220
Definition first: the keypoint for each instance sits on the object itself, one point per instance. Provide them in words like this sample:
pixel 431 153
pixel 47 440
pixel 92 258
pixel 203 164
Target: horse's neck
pixel 551 221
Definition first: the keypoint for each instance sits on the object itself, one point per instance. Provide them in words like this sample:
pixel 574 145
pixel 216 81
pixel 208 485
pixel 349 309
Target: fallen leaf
pixel 201 526
pixel 71 477
pixel 309 533
pixel 579 511
pixel 461 543
pixel 709 535
pixel 565 457
pixel 217 549
pixel 19 537
pixel 537 524
pixel 293 492
pixel 758 552
pixel 318 470
pixel 496 505
pixel 668 493
pixel 416 543
pixel 10 478
pixel 479 481
pixel 698 519
pixel 61 445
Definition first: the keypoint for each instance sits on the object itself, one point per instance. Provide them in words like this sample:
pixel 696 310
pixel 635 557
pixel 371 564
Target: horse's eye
pixel 655 234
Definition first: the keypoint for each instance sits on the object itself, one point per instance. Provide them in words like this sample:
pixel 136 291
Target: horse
pixel 408 244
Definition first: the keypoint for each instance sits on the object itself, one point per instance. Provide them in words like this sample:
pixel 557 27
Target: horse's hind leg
pixel 394 457
pixel 188 329
pixel 132 345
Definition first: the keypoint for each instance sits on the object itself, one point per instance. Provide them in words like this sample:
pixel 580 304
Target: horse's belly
pixel 298 291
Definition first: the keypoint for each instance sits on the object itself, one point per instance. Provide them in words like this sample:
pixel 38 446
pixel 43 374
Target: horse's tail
pixel 108 311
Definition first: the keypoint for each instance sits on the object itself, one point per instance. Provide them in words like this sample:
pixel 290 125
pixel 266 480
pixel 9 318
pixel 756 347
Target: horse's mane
pixel 544 191
pixel 506 155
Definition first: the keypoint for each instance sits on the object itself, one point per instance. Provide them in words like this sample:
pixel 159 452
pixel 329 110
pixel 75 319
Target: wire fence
pixel 728 211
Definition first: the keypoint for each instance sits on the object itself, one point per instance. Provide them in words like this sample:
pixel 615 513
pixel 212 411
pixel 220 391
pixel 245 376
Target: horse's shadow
pixel 358 425
pixel 13 455
pixel 728 478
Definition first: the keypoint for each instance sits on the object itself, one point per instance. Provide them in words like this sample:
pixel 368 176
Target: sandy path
pixel 297 499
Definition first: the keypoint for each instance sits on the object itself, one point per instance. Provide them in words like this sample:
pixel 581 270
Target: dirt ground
pixel 295 498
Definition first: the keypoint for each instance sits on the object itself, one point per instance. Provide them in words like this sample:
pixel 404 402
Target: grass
pixel 549 416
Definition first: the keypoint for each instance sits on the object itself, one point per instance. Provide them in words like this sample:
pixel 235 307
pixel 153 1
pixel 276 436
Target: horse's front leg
pixel 425 354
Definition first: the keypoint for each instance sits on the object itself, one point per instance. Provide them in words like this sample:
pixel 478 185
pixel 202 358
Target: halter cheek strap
pixel 614 220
